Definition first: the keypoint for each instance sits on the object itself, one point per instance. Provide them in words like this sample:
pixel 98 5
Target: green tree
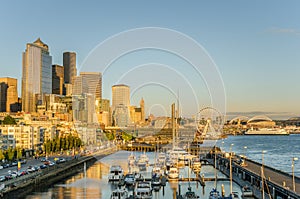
pixel 19 153
pixel 2 157
pixel 9 120
pixel 10 154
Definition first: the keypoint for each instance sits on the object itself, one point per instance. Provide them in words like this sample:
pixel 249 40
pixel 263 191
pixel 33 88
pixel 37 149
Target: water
pixel 279 150
pixel 96 184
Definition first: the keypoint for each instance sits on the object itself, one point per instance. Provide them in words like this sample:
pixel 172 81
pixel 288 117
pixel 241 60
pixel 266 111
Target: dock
pixel 277 184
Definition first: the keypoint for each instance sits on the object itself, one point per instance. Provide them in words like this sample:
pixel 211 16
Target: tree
pixel 10 154
pixel 19 153
pixel 2 157
pixel 9 120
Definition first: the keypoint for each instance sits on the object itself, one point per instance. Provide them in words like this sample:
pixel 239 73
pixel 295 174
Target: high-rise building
pixel 93 80
pixel 36 74
pixel 79 86
pixel 142 106
pixel 8 95
pixel 120 95
pixel 69 62
pixel 121 104
pixel 57 79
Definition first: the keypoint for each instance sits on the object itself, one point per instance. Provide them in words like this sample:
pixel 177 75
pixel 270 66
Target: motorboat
pixel 143 190
pixel 190 194
pixel 131 159
pixel 115 173
pixel 173 173
pixel 247 191
pixel 129 179
pixel 157 171
pixel 156 181
pixel 143 158
pixel 119 194
pixel 214 194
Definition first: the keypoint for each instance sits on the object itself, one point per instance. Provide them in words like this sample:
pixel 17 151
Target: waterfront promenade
pixel 279 183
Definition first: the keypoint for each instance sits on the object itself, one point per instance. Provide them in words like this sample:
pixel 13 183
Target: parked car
pixel 43 159
pixel 61 160
pixel 51 164
pixel 1 167
pixel 43 166
pixel 14 163
pixel 2 178
pixel 23 161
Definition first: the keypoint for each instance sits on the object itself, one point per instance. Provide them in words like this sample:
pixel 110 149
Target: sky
pixel 254 46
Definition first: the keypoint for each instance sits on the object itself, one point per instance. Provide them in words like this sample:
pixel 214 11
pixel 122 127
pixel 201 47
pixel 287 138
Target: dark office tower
pixel 57 79
pixel 70 71
pixel 36 74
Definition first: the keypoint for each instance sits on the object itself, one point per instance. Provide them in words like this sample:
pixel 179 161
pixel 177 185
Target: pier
pixel 277 184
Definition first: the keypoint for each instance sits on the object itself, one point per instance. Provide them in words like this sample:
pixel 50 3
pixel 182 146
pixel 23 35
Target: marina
pixel 97 185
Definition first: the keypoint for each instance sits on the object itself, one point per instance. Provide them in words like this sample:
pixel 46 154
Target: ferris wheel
pixel 209 123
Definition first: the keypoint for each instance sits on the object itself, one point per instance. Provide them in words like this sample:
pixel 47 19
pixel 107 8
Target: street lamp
pixel 262 174
pixel 230 168
pixel 293 173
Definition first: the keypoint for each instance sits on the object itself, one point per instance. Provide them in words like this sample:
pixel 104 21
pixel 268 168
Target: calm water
pixel 280 150
pixel 96 184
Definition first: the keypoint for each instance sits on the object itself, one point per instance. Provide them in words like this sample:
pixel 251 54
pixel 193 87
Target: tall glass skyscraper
pixel 36 74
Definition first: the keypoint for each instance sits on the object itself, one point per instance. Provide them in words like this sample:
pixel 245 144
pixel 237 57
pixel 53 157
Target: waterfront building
pixel 84 108
pixel 57 79
pixel 22 136
pixel 36 74
pixel 137 114
pixel 8 95
pixel 70 70
pixel 68 89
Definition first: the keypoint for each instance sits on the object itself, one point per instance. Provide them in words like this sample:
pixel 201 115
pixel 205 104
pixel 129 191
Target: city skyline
pixel 253 44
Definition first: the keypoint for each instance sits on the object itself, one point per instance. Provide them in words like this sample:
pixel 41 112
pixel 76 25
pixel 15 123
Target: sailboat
pixel 190 194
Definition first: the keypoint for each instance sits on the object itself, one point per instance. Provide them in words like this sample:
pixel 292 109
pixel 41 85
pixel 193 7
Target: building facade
pixel 57 79
pixel 121 105
pixel 36 74
pixel 93 80
pixel 69 63
pixel 8 95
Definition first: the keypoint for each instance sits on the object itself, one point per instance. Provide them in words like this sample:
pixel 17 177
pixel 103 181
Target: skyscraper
pixel 69 62
pixel 93 80
pixel 36 74
pixel 120 95
pixel 121 104
pixel 57 79
pixel 8 95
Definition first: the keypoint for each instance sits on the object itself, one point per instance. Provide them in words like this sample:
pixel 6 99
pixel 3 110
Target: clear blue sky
pixel 255 44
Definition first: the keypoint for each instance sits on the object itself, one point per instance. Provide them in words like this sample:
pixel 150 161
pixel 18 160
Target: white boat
pixel 131 160
pixel 161 158
pixel 266 131
pixel 119 194
pixel 143 158
pixel 157 171
pixel 247 192
pixel 156 181
pixel 115 173
pixel 143 190
pixel 173 173
pixel 214 194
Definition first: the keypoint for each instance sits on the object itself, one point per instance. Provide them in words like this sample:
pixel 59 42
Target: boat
pixel 156 181
pixel 214 194
pixel 196 165
pixel 157 171
pixel 143 190
pixel 143 158
pixel 190 194
pixel 173 173
pixel 247 191
pixel 119 194
pixel 266 131
pixel 115 173
pixel 129 179
pixel 131 160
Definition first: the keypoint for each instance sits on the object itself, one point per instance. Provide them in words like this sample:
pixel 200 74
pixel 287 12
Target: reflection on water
pixel 96 184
